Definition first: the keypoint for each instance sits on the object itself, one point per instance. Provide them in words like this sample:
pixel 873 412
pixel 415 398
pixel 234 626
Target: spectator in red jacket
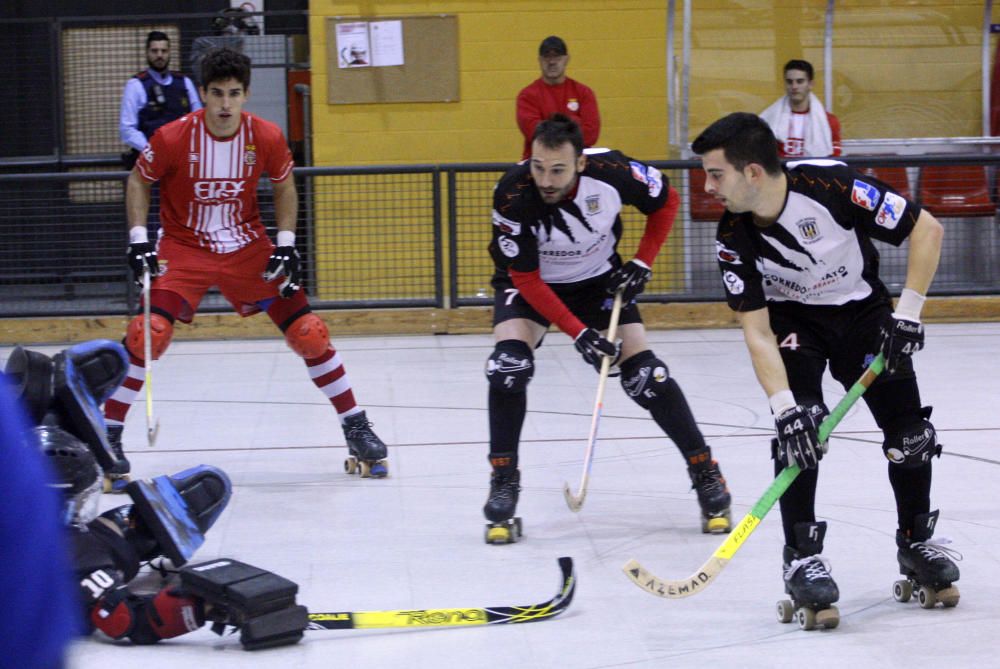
pixel 554 93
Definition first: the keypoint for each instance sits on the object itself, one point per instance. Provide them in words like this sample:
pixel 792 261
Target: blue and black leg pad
pixel 178 510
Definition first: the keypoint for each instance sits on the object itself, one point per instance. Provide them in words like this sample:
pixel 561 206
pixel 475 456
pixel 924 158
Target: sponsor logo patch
pixel 864 195
pixel 647 175
pixel 891 211
pixel 148 154
pixel 506 225
pixel 593 204
pixel 734 284
pixel 727 255
pixel 508 246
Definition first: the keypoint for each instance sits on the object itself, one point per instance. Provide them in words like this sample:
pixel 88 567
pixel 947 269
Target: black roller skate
pixel 116 478
pixel 927 565
pixel 367 452
pixel 504 527
pixel 713 495
pixel 808 581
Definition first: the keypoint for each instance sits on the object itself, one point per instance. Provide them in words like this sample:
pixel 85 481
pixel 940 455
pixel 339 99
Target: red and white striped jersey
pixel 208 186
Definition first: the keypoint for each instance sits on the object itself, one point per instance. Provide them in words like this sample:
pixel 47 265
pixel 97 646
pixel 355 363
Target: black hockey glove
pixel 284 261
pixel 593 347
pixel 630 278
pixel 901 338
pixel 798 439
pixel 140 256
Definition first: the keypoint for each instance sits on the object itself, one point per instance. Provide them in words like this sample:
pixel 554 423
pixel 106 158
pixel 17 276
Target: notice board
pixel 429 72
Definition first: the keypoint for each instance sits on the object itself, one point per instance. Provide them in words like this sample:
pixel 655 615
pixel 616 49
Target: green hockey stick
pixel 697 581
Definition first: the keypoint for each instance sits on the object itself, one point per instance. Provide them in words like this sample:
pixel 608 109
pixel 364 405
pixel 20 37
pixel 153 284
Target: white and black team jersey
pixel 819 251
pixel 575 239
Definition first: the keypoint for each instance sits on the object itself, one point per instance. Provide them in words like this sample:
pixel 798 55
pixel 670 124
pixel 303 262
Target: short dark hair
pixel 744 138
pixel 156 36
pixel 797 64
pixel 225 63
pixel 558 129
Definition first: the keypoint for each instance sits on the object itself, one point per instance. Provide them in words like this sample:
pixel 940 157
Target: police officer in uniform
pixel 153 98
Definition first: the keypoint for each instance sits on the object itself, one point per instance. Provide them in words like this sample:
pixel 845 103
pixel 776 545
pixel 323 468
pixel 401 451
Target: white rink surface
pixel 415 540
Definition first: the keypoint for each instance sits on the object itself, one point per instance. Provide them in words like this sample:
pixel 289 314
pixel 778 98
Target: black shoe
pixel 502 502
pixel 708 483
pixel 362 442
pixel 122 467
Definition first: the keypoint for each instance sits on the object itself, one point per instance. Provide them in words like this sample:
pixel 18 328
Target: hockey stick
pixel 152 425
pixel 494 615
pixel 697 581
pixel 575 502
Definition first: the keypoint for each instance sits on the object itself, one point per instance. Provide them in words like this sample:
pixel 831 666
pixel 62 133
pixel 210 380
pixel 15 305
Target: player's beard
pixel 161 69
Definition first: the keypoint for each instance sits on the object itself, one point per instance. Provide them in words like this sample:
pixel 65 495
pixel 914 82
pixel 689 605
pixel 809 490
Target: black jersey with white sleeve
pixel 819 251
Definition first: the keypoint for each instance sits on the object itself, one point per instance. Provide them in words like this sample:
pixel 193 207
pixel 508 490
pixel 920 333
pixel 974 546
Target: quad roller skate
pixel 116 478
pixel 504 527
pixel 367 452
pixel 926 565
pixel 808 581
pixel 713 495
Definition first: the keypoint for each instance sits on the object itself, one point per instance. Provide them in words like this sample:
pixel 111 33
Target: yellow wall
pixel 903 68
pixel 616 48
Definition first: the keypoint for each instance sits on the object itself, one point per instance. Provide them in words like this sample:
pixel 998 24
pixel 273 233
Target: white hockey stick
pixel 152 425
pixel 575 502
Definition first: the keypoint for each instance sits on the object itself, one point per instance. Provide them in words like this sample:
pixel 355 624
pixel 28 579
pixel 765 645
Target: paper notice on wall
pixel 386 43
pixel 353 48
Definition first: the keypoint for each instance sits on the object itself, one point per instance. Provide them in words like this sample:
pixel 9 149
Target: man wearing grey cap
pixel 555 93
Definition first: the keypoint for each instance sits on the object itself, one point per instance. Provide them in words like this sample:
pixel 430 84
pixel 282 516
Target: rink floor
pixel 415 540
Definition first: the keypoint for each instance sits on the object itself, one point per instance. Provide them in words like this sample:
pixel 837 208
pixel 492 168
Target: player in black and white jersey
pixel 556 226
pixel 800 269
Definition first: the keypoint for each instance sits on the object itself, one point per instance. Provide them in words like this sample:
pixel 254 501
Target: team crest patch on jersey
pixel 808 229
pixel 506 225
pixel 250 157
pixel 647 175
pixel 593 204
pixel 891 211
pixel 726 254
pixel 508 246
pixel 573 105
pixel 864 195
pixel 734 284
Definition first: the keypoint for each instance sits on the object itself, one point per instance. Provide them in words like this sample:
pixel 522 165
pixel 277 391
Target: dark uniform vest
pixel 163 103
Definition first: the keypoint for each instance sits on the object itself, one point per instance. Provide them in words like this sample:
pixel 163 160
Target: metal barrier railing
pixel 374 237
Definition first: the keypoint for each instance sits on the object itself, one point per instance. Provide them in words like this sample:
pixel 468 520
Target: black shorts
pixel 847 337
pixel 588 300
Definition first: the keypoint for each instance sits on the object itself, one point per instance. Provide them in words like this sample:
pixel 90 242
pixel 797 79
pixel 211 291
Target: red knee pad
pixel 308 336
pixel 161 331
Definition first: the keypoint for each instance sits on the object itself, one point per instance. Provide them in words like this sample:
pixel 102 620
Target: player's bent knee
pixel 161 330
pixel 912 442
pixel 646 379
pixel 510 367
pixel 308 336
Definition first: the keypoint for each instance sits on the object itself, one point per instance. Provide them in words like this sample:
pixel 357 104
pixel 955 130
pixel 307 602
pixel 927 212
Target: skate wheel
pixel 715 525
pixel 785 611
pixel 828 617
pixel 948 596
pixel 364 469
pixel 351 465
pixel 806 618
pixel 927 597
pixel 902 591
pixel 498 534
pixel 518 533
